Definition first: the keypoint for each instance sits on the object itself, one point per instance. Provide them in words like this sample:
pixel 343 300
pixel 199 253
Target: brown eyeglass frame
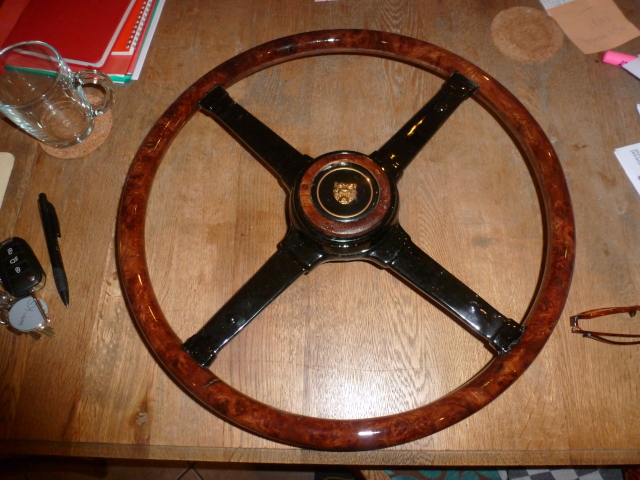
pixel 600 336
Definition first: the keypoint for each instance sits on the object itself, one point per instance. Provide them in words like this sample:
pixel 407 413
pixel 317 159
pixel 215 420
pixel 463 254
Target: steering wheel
pixel 343 206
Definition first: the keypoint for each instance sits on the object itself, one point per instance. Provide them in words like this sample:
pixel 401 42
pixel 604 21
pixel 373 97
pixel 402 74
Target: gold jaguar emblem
pixel 345 193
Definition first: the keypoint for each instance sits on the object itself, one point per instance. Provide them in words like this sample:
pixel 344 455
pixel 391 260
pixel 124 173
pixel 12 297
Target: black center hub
pixel 344 192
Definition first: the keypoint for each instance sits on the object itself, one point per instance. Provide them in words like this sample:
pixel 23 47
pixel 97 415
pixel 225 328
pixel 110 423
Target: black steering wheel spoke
pixel 398 152
pixel 295 256
pixel 269 147
pixel 399 254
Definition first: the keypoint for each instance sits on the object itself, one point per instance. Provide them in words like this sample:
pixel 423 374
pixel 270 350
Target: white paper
pixel 594 25
pixel 547 4
pixel 633 67
pixel 629 158
pixel 6 165
pixel 145 46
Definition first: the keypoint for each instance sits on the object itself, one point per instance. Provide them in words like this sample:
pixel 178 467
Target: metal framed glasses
pixel 611 338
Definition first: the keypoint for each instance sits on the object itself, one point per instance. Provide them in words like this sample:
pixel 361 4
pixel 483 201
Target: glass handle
pixel 96 77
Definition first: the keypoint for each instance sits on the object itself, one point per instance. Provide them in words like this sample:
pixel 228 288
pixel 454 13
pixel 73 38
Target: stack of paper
pixel 113 36
pixel 629 158
pixel 592 25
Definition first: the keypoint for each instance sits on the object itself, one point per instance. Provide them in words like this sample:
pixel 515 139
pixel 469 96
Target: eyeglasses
pixel 605 337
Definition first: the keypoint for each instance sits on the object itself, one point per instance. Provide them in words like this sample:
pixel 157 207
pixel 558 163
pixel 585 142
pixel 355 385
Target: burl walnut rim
pixel 362 434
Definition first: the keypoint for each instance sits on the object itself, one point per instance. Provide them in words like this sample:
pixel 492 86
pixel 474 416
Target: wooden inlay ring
pixel 337 228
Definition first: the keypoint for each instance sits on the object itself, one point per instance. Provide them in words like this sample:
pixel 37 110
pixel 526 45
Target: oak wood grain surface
pixel 347 340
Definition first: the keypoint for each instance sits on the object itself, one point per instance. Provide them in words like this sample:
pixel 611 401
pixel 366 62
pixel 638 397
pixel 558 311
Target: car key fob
pixel 20 270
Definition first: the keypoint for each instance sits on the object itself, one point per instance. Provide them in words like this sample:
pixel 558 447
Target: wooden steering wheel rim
pixel 360 434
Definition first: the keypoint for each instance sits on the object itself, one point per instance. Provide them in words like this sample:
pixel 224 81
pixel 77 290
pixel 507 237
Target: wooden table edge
pixel 379 458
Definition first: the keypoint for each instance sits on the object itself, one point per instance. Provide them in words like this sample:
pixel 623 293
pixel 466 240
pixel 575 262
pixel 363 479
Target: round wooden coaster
pixel 101 129
pixel 526 34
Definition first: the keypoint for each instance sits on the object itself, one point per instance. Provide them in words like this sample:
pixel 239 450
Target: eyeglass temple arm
pixel 601 312
pixel 600 338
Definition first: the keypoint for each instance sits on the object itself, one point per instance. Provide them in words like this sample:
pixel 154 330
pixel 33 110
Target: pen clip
pixel 54 218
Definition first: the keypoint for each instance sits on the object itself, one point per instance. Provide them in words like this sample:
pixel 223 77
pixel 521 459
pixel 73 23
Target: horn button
pixel 344 195
pixel 344 192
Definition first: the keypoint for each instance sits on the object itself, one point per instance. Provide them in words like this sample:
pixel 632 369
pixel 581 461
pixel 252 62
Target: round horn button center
pixel 344 192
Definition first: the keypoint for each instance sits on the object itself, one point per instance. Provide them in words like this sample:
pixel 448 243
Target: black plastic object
pixel 281 157
pixel 399 254
pixel 20 270
pixel 401 149
pixel 295 256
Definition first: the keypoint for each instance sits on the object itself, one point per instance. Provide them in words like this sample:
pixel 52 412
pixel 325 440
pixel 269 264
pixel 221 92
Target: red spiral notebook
pixel 117 47
pixel 82 31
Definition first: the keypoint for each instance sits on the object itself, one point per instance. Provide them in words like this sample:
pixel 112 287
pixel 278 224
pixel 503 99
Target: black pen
pixel 51 229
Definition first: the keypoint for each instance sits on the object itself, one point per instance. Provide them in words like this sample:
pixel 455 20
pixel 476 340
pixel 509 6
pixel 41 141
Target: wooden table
pixel 348 340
